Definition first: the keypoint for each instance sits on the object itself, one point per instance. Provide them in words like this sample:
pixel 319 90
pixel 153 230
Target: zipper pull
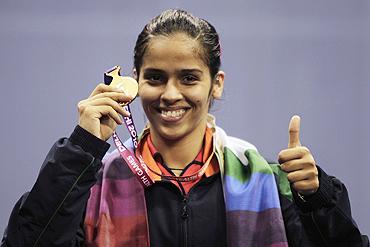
pixel 184 213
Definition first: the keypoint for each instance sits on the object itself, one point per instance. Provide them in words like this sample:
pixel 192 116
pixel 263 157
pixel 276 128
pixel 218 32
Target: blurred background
pixel 281 58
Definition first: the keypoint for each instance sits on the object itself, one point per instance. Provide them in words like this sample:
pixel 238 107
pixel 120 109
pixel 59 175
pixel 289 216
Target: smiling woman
pixel 209 189
pixel 176 87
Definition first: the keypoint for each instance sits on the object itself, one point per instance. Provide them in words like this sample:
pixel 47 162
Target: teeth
pixel 176 113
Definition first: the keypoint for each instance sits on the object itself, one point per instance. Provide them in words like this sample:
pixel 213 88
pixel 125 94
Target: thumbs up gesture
pixel 298 162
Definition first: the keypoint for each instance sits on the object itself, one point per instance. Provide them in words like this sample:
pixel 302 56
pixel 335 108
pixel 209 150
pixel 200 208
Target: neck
pixel 179 153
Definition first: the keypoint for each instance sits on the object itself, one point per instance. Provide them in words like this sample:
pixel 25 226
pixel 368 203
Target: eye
pixel 189 79
pixel 154 78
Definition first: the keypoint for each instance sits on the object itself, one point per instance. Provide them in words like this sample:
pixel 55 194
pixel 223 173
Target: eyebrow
pixel 192 71
pixel 152 70
pixel 183 71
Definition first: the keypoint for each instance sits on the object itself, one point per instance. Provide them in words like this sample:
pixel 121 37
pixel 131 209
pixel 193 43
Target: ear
pixel 218 85
pixel 134 74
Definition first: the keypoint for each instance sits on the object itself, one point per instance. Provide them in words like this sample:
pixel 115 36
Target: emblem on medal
pixel 126 83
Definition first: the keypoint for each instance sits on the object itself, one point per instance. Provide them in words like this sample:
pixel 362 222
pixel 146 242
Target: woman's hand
pixel 298 162
pixel 100 112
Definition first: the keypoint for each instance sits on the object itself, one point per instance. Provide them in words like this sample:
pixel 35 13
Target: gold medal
pixel 125 83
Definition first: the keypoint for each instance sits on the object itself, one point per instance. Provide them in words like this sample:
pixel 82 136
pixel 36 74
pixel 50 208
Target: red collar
pixel 158 157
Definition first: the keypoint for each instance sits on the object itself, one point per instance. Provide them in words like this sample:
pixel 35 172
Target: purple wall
pixel 280 58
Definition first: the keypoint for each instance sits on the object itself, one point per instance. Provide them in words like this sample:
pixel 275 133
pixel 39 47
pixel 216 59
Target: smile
pixel 172 115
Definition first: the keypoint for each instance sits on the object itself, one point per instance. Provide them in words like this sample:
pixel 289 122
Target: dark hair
pixel 174 21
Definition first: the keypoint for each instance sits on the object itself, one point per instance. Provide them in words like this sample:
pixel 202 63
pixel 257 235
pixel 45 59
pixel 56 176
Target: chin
pixel 172 134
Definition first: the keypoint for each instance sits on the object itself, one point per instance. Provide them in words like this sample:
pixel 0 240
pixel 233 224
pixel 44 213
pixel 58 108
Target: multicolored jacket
pixel 253 213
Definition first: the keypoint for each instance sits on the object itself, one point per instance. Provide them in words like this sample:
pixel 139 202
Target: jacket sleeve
pixel 52 213
pixel 325 217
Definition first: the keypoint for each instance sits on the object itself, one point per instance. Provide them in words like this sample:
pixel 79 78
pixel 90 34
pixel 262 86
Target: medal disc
pixel 125 83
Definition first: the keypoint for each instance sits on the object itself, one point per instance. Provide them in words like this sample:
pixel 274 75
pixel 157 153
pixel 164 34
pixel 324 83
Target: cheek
pixel 199 100
pixel 141 89
pixel 147 93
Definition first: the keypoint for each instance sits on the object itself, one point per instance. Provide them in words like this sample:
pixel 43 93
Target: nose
pixel 171 93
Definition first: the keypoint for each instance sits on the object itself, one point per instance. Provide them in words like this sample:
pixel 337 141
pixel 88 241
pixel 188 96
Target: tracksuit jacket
pixel 52 213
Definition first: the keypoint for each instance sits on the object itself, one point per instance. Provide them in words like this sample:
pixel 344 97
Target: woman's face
pixel 175 87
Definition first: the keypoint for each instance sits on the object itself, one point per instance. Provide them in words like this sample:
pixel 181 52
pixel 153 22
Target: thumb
pixel 294 126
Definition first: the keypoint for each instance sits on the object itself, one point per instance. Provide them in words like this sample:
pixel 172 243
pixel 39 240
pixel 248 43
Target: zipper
pixel 184 216
pixel 61 203
pixel 185 212
pixel 185 209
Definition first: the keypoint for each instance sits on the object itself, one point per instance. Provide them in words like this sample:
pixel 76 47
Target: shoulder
pixel 224 141
pixel 111 157
pixel 231 143
pixel 114 166
pixel 238 152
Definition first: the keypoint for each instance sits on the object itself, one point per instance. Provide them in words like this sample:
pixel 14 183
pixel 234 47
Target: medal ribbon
pixel 137 164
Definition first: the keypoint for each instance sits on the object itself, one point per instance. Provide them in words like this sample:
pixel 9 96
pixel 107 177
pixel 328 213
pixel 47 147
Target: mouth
pixel 172 114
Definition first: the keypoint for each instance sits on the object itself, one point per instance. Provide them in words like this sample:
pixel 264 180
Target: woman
pixel 231 196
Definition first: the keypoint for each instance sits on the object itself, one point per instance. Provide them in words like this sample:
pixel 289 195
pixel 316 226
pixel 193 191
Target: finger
pixel 108 102
pixel 294 127
pixel 298 175
pixel 109 111
pixel 292 153
pixel 116 96
pixel 306 186
pixel 102 88
pixel 291 166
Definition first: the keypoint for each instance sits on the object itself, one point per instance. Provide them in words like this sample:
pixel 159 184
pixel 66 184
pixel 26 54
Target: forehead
pixel 176 50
